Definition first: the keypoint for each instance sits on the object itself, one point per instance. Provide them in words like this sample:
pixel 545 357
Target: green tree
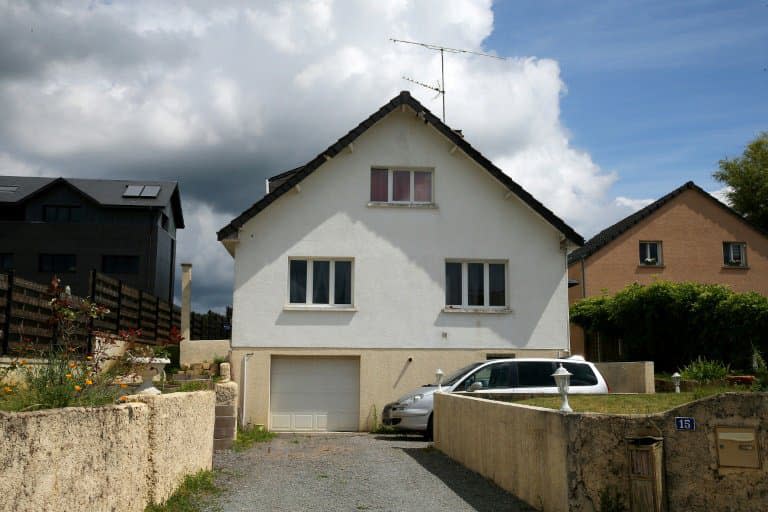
pixel 747 176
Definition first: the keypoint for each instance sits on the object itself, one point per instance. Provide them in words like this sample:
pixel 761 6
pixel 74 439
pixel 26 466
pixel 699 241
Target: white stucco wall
pixel 399 254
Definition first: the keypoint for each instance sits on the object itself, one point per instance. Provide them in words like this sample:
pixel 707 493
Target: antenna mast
pixel 440 88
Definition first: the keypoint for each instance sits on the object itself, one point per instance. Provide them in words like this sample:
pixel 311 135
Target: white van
pixel 498 376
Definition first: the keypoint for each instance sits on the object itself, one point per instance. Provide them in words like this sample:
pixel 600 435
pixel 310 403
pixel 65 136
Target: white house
pixel 398 250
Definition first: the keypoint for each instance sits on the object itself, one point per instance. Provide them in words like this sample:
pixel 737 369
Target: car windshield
pixel 453 378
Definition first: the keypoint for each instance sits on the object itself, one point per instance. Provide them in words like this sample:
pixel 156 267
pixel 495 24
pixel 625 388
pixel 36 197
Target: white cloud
pixel 721 194
pixel 633 204
pixel 189 89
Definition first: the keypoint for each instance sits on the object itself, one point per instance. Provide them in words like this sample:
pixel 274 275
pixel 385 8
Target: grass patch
pixel 250 435
pixel 191 495
pixel 625 404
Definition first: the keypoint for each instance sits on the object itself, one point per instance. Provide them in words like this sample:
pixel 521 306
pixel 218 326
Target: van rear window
pixel 535 374
pixel 582 374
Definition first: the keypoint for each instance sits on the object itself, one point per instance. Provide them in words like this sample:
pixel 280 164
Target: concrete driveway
pixel 350 472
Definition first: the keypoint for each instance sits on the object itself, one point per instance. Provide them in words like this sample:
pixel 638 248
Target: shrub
pixel 705 371
pixel 673 323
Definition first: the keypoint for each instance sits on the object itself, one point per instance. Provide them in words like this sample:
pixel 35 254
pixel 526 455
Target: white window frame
pixel 660 261
pixel 486 286
pixel 743 246
pixel 331 284
pixel 390 184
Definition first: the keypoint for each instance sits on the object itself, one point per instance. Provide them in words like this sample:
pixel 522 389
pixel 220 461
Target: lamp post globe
pixel 439 379
pixel 563 380
pixel 676 377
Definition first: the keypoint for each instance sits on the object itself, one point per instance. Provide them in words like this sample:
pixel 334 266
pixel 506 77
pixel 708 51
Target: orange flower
pixel 69 375
pixel 8 389
pixel 123 385
pixel 78 388
pixel 88 382
pixel 123 398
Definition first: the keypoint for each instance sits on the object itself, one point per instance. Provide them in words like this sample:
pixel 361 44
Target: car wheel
pixel 429 434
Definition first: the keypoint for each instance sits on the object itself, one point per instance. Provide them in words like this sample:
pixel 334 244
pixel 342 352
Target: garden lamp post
pixel 563 381
pixel 439 379
pixel 676 381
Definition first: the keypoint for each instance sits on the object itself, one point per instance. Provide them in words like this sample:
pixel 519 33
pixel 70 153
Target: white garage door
pixel 315 394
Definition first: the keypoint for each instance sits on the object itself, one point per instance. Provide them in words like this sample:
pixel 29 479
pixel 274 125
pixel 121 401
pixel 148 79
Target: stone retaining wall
pixel 567 462
pixel 116 457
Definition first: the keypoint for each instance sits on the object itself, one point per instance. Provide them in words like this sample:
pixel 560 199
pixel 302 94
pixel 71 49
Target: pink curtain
pixel 401 186
pixel 379 185
pixel 422 187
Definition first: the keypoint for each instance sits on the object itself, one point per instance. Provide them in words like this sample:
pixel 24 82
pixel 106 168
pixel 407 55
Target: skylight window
pixel 150 191
pixel 8 189
pixel 133 191
pixel 141 191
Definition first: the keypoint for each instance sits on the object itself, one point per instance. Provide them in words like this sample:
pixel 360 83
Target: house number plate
pixel 684 423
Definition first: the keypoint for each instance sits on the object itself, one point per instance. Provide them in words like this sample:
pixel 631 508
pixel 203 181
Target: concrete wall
pixel 117 457
pixel 197 351
pixel 518 448
pixel 629 377
pixel 385 375
pixel 399 255
pixel 587 453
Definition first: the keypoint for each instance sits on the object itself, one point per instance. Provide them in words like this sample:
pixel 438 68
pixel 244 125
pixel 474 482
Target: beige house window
pixel 734 254
pixel 650 254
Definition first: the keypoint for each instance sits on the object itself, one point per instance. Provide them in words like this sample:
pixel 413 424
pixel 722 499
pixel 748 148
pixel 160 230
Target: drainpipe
pixel 244 382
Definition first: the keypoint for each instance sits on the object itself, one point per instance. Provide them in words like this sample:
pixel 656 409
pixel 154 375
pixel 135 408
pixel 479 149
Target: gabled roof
pixel 286 181
pixel 108 193
pixel 611 233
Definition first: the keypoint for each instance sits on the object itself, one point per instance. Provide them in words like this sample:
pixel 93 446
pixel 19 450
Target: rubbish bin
pixel 646 473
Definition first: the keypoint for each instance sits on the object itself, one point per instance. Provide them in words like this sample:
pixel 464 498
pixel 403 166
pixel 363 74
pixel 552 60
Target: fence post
pixel 141 311
pixel 157 315
pixel 7 321
pixel 92 283
pixel 119 305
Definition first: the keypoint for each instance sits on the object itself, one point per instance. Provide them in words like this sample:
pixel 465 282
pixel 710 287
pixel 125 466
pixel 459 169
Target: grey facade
pixel 67 227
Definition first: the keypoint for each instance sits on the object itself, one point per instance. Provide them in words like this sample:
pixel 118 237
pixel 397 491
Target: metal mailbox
pixel 737 447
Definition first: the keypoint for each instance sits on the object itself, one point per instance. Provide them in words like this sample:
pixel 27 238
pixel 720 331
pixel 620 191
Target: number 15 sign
pixel 685 423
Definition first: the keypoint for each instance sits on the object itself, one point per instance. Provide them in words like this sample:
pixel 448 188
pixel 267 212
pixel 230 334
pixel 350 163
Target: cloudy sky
pixel 596 110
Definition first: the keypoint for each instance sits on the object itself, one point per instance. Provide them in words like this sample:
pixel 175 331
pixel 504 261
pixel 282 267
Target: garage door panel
pixel 315 394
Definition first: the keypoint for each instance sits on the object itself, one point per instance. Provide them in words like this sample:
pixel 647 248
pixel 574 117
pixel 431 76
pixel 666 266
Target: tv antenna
pixel 440 87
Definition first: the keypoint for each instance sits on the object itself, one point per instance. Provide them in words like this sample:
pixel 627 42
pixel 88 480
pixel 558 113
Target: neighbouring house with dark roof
pixel 398 250
pixel 687 235
pixel 67 227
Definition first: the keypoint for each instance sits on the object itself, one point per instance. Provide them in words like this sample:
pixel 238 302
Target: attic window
pixel 8 189
pixel 141 191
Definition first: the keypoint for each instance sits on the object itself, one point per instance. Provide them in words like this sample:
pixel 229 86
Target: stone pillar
pixel 225 428
pixel 186 300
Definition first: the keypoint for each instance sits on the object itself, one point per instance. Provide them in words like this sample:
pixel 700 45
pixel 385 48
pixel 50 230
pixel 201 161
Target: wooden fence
pixel 26 313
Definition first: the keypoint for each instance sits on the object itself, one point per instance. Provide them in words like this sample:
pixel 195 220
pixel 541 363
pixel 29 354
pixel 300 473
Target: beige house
pixel 687 235
pixel 398 250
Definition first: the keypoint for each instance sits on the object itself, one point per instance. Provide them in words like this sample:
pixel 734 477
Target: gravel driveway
pixel 352 472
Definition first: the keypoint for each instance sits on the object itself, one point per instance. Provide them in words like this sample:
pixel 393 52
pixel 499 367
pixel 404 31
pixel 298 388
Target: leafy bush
pixel 673 323
pixel 705 371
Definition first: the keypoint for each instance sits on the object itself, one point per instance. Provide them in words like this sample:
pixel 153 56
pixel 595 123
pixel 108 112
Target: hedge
pixel 673 323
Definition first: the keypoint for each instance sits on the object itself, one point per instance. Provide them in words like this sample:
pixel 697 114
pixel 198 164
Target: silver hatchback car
pixel 413 411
